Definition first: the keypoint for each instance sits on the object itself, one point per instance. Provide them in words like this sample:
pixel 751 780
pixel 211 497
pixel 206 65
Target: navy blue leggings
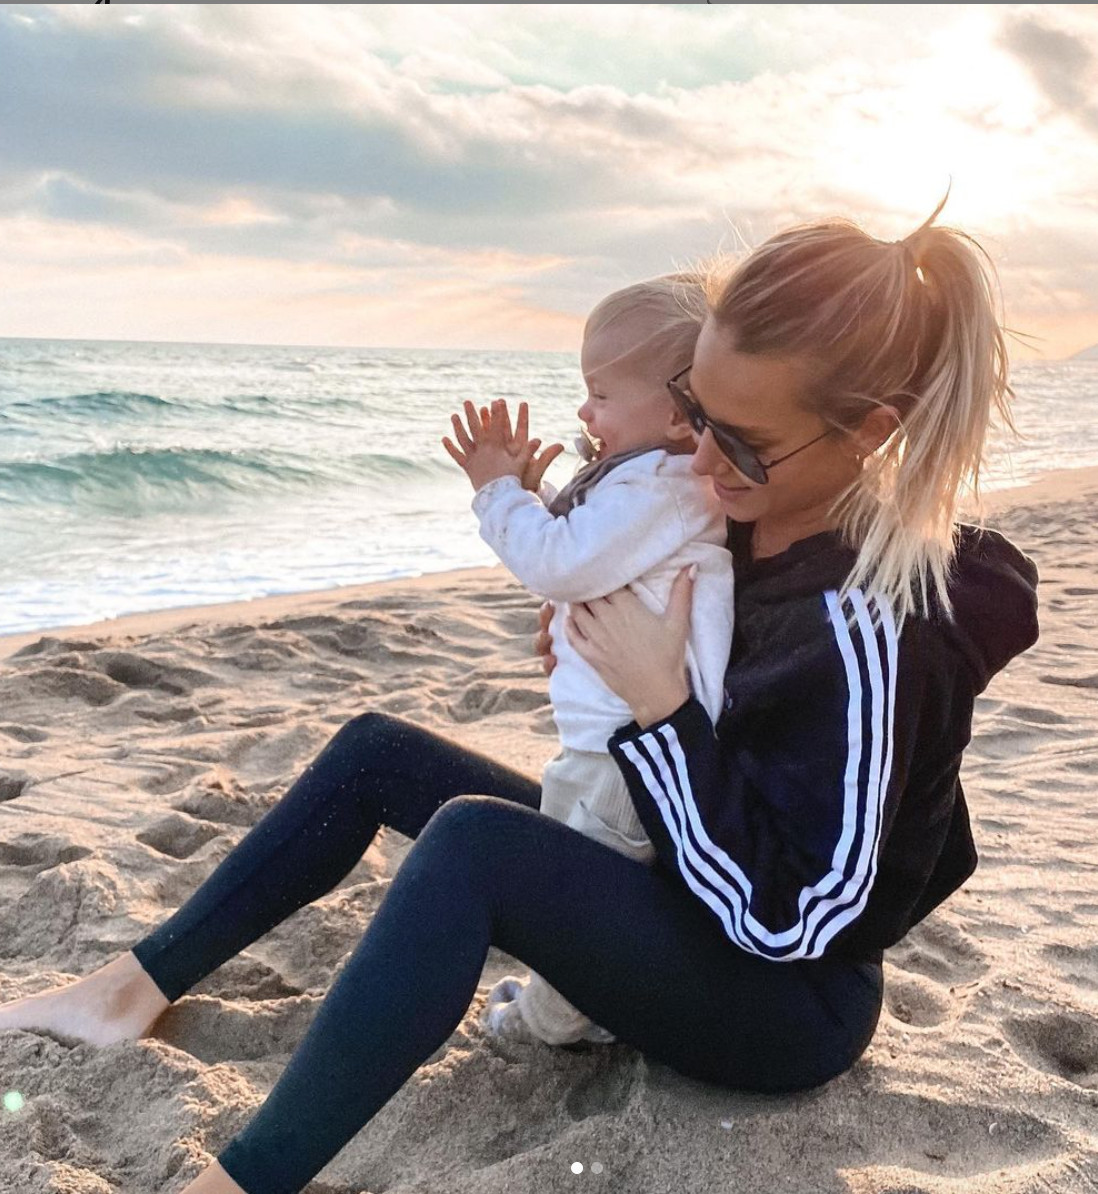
pixel 627 943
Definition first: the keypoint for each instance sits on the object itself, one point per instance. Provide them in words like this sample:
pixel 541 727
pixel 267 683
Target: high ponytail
pixel 909 324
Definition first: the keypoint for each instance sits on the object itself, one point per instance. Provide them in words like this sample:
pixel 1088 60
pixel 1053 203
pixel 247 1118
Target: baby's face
pixel 628 405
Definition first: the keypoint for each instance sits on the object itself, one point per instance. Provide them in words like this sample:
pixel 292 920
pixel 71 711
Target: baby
pixel 634 514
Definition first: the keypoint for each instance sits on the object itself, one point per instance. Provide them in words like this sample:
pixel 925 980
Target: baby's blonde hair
pixel 663 317
pixel 910 324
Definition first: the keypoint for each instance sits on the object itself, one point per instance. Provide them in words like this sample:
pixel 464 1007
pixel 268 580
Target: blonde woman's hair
pixel 909 324
pixel 662 316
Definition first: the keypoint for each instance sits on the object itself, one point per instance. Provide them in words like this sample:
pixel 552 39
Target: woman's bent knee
pixel 372 722
pixel 469 813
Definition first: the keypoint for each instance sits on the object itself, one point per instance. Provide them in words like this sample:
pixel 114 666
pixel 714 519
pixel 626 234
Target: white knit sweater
pixel 639 526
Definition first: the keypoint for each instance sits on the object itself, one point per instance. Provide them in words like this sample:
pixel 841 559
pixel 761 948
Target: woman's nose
pixel 707 456
pixel 710 461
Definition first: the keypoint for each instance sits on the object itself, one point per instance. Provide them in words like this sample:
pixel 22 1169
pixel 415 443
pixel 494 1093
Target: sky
pixel 480 175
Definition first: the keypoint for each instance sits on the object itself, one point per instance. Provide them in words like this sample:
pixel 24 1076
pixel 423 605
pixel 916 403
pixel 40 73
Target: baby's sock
pixel 503 1016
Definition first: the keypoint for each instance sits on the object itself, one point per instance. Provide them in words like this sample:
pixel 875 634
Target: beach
pixel 136 752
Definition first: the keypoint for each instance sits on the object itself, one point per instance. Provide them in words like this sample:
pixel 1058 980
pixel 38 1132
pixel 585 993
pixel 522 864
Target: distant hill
pixel 1087 354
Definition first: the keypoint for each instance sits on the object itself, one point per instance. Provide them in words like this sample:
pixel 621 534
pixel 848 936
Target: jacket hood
pixel 992 586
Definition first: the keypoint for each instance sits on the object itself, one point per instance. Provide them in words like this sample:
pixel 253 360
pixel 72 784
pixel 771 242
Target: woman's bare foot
pixel 213 1180
pixel 117 1002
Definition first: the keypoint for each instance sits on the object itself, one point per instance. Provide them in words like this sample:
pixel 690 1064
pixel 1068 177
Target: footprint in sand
pixel 505 596
pixel 138 671
pixel 1064 1044
pixel 244 977
pixel 521 622
pixel 261 757
pixel 70 682
pixel 1089 681
pixel 48 645
pixel 483 699
pixel 178 713
pixel 216 1030
pixel 178 835
pixel 915 1001
pixel 13 784
pixel 914 1137
pixel 219 797
pixel 1078 964
pixel 24 733
pixel 304 623
pixel 39 851
pixel 65 905
pixel 606 1091
pixel 937 950
pixel 173 777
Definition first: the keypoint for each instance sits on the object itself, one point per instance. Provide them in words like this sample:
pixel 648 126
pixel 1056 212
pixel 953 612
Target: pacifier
pixel 586 445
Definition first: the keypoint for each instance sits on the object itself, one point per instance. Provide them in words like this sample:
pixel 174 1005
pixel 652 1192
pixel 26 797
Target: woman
pixel 841 392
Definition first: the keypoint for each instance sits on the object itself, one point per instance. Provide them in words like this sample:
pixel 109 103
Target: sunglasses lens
pixel 739 453
pixel 741 456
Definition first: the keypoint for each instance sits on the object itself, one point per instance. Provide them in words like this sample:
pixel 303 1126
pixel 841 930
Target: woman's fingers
pixel 543 640
pixel 682 590
pixel 582 645
pixel 581 619
pixel 545 614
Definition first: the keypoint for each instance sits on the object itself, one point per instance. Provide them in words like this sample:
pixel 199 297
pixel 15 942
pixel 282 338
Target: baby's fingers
pixel 458 456
pixel 460 434
pixel 501 418
pixel 477 420
pixel 522 426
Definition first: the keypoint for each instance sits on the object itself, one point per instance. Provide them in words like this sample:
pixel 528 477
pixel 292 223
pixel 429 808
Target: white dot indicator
pixel 13 1101
pixel 577 1166
pixel 596 1167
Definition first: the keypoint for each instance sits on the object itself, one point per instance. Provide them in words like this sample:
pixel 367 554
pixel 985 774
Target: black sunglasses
pixel 742 455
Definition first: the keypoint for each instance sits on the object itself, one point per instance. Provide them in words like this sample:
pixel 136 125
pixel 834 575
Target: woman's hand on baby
pixel 488 448
pixel 639 655
pixel 543 641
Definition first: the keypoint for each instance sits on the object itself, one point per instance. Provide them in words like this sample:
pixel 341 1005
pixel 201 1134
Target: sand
pixel 136 752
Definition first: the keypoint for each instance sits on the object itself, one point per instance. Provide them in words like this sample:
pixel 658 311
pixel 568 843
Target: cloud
pixel 609 141
pixel 1061 62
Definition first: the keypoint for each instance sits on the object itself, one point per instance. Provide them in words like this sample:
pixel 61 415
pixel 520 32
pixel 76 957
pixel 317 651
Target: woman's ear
pixel 875 428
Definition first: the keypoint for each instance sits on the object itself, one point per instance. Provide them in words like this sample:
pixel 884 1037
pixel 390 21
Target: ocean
pixel 144 476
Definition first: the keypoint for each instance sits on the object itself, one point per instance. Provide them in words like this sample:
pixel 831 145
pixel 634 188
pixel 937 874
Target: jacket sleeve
pixel 627 526
pixel 777 823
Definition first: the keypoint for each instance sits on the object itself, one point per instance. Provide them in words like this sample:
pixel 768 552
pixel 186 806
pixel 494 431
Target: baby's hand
pixel 490 449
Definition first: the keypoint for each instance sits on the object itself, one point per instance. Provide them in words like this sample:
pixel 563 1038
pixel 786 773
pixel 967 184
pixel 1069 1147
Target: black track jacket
pixel 824 812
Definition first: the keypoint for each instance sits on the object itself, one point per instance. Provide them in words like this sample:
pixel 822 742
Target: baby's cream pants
pixel 585 790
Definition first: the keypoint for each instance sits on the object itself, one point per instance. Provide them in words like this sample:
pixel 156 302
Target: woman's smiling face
pixel 760 398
